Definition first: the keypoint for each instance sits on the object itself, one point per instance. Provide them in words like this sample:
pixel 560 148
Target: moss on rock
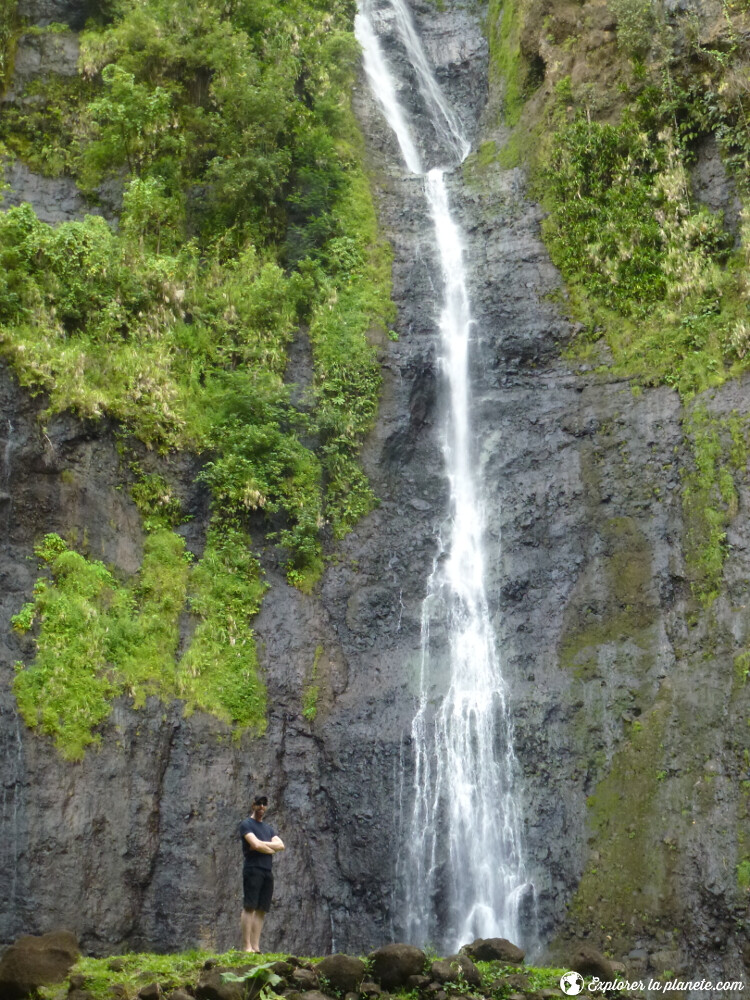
pixel 611 603
pixel 628 886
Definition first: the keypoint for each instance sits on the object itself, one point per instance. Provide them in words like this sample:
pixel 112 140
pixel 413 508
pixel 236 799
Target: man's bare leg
pixel 252 924
pixel 258 918
pixel 247 923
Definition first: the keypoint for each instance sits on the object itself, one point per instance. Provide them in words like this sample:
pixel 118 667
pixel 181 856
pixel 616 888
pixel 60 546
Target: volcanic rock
pixel 36 961
pixel 394 963
pixel 454 969
pixel 343 972
pixel 590 962
pixel 494 950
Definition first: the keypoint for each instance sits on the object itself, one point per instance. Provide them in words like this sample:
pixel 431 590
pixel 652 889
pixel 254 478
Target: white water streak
pixel 444 120
pixel 383 87
pixel 461 867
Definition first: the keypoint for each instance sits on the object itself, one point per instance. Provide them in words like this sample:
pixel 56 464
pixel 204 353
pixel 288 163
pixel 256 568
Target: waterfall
pixel 461 868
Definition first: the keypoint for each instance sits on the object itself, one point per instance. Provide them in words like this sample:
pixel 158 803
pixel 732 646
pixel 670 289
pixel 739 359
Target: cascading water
pixel 462 871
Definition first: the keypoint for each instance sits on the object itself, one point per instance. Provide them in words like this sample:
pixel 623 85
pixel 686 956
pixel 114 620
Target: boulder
pixel 150 992
pixel 180 994
pixel 31 962
pixel 211 986
pixel 455 969
pixel 283 969
pixel 313 995
pixel 419 983
pixel 370 989
pixel 304 980
pixel 394 963
pixel 590 962
pixel 494 950
pixel 343 972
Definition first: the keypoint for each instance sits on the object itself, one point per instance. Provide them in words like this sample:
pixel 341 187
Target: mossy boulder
pixel 31 962
pixel 343 972
pixel 494 950
pixel 394 963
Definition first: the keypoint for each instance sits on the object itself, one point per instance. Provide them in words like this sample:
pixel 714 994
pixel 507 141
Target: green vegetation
pixel 709 496
pixel 629 886
pixel 99 638
pixel 177 325
pixel 649 270
pixel 505 61
pixel 311 691
pixel 742 667
pixel 261 975
pixel 219 671
pixel 88 624
pixel 45 131
pixel 743 874
pixel 619 609
pixel 136 970
pixel 644 265
pixel 7 31
pixel 133 971
pixel 476 165
pixel 609 141
pixel 310 702
pixel 635 25
pixel 508 69
pixel 247 221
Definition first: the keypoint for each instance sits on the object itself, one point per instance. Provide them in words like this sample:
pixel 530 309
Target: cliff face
pixel 629 692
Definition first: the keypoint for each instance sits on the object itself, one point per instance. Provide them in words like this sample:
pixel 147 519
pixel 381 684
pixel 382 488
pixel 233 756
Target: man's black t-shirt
pixel 263 831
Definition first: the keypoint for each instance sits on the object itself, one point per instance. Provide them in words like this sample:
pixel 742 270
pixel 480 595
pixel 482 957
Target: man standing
pixel 259 844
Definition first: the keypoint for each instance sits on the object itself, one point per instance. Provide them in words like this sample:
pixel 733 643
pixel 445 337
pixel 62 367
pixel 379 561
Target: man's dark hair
pixel 260 800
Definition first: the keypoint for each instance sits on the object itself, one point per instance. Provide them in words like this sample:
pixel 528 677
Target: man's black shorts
pixel 257 884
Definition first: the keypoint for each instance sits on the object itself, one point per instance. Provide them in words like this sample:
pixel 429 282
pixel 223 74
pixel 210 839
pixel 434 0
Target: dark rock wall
pixel 631 720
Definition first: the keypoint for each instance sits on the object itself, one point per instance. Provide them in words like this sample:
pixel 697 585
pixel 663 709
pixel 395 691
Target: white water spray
pixel 461 865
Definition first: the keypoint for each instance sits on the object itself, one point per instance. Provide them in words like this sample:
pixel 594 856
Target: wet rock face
pixel 45 54
pixel 40 56
pixel 602 642
pixel 458 53
pixel 54 199
pixel 74 13
pixel 713 186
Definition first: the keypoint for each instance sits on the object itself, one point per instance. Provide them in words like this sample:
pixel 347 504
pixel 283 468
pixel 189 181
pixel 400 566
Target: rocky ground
pixel 491 969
